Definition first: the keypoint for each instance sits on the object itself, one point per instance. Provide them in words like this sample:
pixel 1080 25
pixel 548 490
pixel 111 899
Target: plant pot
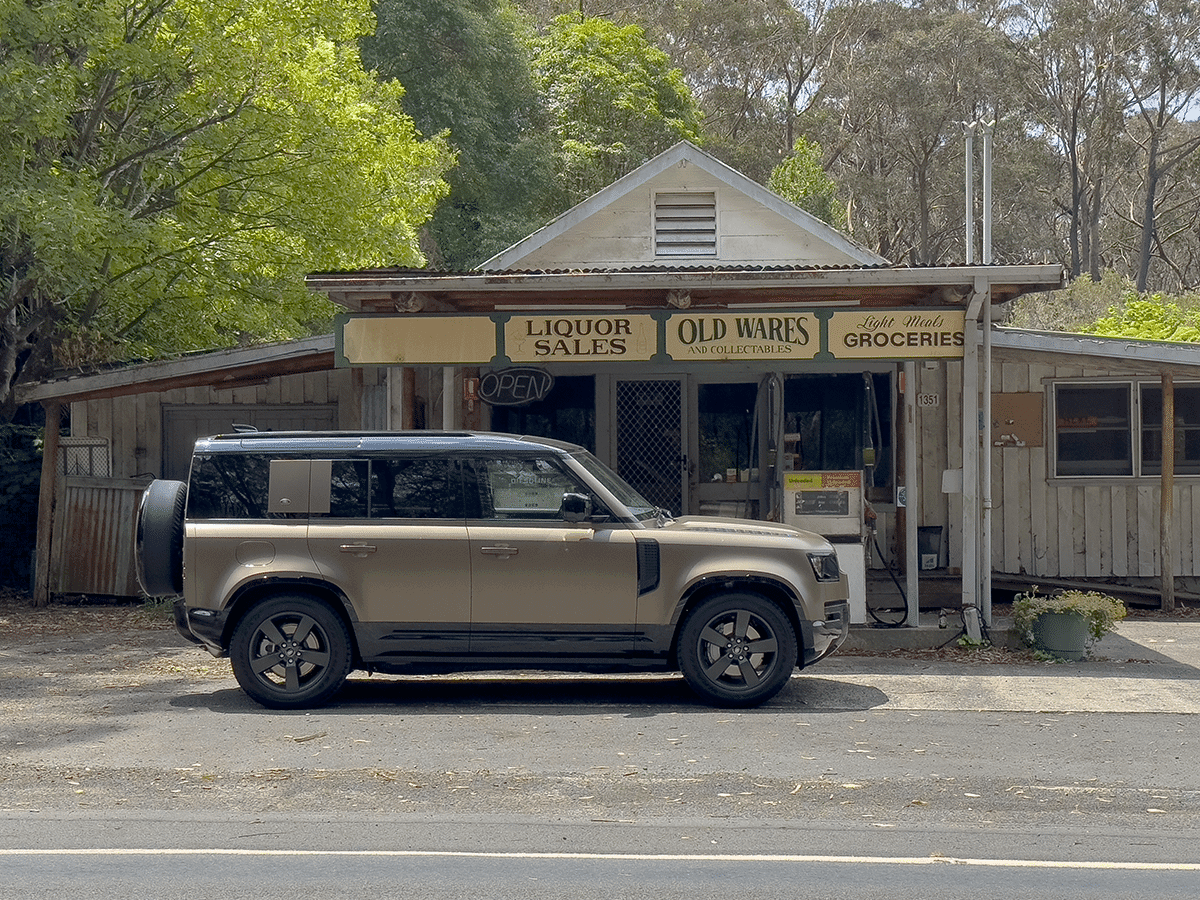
pixel 1062 634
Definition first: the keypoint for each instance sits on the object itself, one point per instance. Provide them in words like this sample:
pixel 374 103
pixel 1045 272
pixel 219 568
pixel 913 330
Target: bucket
pixel 929 546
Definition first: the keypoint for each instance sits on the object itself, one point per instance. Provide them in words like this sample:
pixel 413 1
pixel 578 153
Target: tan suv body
pixel 302 556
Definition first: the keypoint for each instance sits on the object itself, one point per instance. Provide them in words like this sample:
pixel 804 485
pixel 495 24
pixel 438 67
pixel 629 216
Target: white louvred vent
pixel 685 224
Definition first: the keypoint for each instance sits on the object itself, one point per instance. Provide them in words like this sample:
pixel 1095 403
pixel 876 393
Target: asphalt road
pixel 866 777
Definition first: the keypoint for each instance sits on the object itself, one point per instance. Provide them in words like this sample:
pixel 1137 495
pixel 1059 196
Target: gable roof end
pixel 688 154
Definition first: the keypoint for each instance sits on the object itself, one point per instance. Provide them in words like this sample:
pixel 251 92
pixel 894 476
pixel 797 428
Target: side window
pixel 348 489
pixel 1093 429
pixel 523 488
pixel 229 486
pixel 1187 429
pixel 416 488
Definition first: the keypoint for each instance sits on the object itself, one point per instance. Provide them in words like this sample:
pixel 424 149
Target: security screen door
pixel 650 434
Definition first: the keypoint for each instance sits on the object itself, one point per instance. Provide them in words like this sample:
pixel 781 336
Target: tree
pixel 1162 74
pixel 1151 318
pixel 891 121
pixel 465 67
pixel 613 98
pixel 801 179
pixel 172 168
pixel 1075 95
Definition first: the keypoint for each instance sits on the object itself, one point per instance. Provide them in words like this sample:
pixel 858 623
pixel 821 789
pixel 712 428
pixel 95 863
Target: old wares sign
pixel 743 336
pixel 515 386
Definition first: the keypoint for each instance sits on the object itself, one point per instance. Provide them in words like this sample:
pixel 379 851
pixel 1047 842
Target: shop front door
pixel 650 431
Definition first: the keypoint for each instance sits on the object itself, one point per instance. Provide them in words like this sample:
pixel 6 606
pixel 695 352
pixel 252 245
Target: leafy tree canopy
pixel 613 98
pixel 465 67
pixel 170 169
pixel 1151 318
pixel 801 179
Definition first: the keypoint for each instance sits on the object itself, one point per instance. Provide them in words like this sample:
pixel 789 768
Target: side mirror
pixel 576 507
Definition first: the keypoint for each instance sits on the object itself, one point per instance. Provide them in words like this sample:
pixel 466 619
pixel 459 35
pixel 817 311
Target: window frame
pixel 1136 431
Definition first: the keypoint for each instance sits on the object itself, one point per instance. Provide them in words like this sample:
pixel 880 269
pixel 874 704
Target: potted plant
pixel 1064 624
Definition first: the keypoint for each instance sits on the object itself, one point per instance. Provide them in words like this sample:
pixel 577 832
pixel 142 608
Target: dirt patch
pixel 110 643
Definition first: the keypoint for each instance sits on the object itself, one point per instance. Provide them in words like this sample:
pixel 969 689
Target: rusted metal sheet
pixel 93 542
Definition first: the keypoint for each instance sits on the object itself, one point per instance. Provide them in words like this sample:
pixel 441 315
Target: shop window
pixel 728 442
pixel 568 413
pixel 1187 429
pixel 1093 425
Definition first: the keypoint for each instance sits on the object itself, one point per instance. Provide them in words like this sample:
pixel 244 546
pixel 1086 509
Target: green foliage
pixel 801 179
pixel 1072 309
pixel 465 67
pixel 20 475
pixel 170 172
pixel 613 98
pixel 1101 611
pixel 1152 318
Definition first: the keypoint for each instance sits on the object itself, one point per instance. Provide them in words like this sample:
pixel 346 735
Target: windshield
pixel 614 484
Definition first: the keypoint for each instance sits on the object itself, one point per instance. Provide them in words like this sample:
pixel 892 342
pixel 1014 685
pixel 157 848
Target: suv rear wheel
pixel 291 651
pixel 737 649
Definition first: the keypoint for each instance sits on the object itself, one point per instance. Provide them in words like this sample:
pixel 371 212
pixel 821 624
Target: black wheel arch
pixel 248 595
pixel 769 589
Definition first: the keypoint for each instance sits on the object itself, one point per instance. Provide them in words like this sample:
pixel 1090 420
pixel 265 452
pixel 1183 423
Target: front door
pixel 650 436
pixel 542 587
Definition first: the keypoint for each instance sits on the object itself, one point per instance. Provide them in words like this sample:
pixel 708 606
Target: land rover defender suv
pixel 303 556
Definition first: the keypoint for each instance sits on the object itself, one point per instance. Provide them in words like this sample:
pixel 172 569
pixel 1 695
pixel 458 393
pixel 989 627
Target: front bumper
pixel 830 633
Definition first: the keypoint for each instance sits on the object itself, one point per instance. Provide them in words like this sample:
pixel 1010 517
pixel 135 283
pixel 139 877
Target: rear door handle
pixel 359 550
pixel 502 552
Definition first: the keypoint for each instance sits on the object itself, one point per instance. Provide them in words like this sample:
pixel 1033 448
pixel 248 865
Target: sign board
pixel 897 334
pixel 413 340
pixel 749 335
pixel 580 337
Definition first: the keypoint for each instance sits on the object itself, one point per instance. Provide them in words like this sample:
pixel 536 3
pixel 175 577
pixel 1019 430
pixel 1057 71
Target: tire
pixel 159 535
pixel 290 651
pixel 737 649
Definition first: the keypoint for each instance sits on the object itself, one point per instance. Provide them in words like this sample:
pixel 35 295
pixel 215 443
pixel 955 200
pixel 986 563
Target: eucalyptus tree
pixel 1078 99
pixel 172 168
pixel 891 119
pixel 1162 77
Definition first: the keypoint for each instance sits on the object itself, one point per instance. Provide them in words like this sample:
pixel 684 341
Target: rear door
pixel 395 540
pixel 542 587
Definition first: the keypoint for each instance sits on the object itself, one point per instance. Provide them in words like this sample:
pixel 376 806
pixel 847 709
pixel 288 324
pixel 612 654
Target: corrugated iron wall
pixel 93 542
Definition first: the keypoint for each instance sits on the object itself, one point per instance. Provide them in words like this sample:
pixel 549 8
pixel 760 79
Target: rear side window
pixel 234 486
pixel 416 488
pixel 229 486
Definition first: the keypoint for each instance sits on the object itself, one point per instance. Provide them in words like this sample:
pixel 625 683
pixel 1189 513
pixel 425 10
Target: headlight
pixel 825 565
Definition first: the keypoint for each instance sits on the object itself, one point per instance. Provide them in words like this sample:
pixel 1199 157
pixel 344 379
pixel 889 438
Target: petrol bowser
pixel 831 504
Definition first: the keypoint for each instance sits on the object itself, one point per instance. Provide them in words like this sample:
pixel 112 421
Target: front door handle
pixel 502 552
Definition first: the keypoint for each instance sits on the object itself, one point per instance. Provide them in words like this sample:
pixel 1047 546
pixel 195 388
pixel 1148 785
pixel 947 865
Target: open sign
pixel 516 386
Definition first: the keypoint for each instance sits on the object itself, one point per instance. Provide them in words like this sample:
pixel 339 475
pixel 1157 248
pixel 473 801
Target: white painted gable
pixel 616 229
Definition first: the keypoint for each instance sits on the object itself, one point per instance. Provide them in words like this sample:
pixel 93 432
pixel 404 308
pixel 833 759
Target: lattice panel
pixel 649 440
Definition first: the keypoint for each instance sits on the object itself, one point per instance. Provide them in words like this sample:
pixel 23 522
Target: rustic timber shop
pixel 741 358
pixel 725 352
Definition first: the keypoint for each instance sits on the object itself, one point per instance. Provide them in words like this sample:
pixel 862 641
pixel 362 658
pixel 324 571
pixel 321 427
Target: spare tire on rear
pixel 159 536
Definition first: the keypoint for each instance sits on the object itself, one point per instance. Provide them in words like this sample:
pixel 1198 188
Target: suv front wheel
pixel 737 649
pixel 290 651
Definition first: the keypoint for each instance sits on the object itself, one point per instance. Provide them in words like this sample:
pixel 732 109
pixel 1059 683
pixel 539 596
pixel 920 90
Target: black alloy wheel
pixel 737 649
pixel 291 652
